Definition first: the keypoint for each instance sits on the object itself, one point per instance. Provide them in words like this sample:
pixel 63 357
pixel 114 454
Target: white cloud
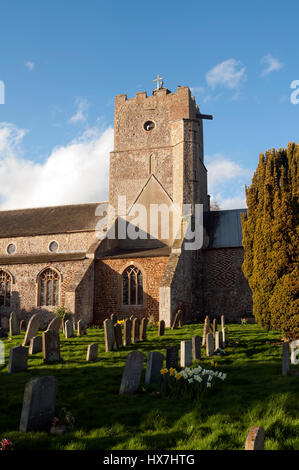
pixel 75 173
pixel 226 181
pixel 80 115
pixel 30 66
pixel 230 73
pixel 272 64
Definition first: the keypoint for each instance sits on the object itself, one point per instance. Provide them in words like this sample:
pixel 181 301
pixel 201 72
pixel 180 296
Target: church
pixel 95 259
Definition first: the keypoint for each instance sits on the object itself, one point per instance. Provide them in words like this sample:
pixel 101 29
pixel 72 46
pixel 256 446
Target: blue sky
pixel 62 63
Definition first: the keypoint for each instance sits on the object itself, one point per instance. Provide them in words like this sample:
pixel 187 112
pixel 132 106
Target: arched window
pixel 132 286
pixel 49 287
pixel 5 289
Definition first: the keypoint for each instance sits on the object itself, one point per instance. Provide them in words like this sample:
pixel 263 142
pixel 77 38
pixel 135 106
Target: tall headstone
pixel 135 330
pixel 196 347
pixel 285 358
pixel 132 373
pixel 118 336
pixel 14 325
pixel 224 336
pixel 18 357
pixel 36 345
pixel 177 319
pixel 186 353
pixel 81 328
pixel 205 331
pixel 51 346
pixel 222 322
pixel 54 324
pixel 92 352
pixel 161 328
pixel 142 331
pixel 127 332
pixel 153 367
pixel 255 438
pixel 2 353
pixel 214 326
pixel 209 344
pixel 172 357
pixel 218 340
pixel 69 329
pixel 32 329
pixel 109 335
pixel 38 404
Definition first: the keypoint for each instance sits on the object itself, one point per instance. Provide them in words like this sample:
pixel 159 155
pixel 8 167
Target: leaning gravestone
pixel 118 336
pixel 177 319
pixel 109 335
pixel 32 329
pixel 38 404
pixel 161 328
pixel 18 357
pixel 210 344
pixel 172 357
pixel 153 367
pixel 69 329
pixel 255 438
pixel 54 324
pixel 36 345
pixel 186 353
pixel 127 332
pixel 14 325
pixel 285 358
pixel 92 352
pixel 196 347
pixel 51 346
pixel 132 373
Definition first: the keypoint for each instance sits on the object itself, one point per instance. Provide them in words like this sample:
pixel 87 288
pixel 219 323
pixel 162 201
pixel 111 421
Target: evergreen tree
pixel 270 240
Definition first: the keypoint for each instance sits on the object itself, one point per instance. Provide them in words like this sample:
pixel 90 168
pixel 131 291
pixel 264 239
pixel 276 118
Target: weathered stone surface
pixel 161 328
pixel 38 404
pixel 36 345
pixel 154 365
pixel 172 357
pixel 209 344
pixel 132 373
pixel 109 335
pixel 92 352
pixel 255 438
pixel 218 340
pixel 186 353
pixel 135 330
pixel 196 354
pixel 54 324
pixel 69 329
pixel 32 329
pixel 177 320
pixel 118 336
pixel 14 325
pixel 127 332
pixel 285 358
pixel 51 346
pixel 18 357
pixel 81 328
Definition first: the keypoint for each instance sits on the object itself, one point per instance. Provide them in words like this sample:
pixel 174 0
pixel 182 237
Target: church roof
pixel 48 220
pixel 224 228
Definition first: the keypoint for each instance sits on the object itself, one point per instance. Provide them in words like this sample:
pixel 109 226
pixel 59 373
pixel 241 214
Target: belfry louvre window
pixel 5 289
pixel 132 286
pixel 49 287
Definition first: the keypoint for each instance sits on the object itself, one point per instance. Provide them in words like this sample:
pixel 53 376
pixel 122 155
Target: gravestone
pixel 18 357
pixel 135 330
pixel 81 328
pixel 218 340
pixel 132 373
pixel 161 328
pixel 54 324
pixel 113 318
pixel 172 357
pixel 69 329
pixel 214 326
pixel 153 367
pixel 127 332
pixel 23 325
pixel 196 347
pixel 92 352
pixel 2 353
pixel 295 352
pixel 255 438
pixel 209 344
pixel 285 358
pixel 205 331
pixel 51 346
pixel 222 322
pixel 36 345
pixel 14 325
pixel 177 320
pixel 186 353
pixel 223 336
pixel 32 329
pixel 118 336
pixel 38 404
pixel 143 326
pixel 109 335
pixel 5 323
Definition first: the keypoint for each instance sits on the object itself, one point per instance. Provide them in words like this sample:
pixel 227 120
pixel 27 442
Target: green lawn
pixel 254 393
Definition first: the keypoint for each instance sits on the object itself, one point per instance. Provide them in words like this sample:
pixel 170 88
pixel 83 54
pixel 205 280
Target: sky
pixel 63 62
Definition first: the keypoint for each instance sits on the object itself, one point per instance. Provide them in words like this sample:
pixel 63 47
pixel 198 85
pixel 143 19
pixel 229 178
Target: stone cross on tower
pixel 158 79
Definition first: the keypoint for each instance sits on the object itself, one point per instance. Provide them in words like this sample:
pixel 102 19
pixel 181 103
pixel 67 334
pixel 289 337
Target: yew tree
pixel 270 240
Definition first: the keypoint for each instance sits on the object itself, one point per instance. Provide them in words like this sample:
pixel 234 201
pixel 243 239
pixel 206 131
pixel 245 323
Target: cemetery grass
pixel 254 393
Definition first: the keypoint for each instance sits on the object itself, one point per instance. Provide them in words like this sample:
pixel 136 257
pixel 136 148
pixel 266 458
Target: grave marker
pixel 69 329
pixel 153 367
pixel 14 325
pixel 18 357
pixel 51 346
pixel 32 329
pixel 161 328
pixel 255 438
pixel 36 345
pixel 172 357
pixel 127 332
pixel 132 373
pixel 285 358
pixel 118 336
pixel 186 353
pixel 196 347
pixel 143 326
pixel 209 344
pixel 109 335
pixel 54 324
pixel 92 352
pixel 135 330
